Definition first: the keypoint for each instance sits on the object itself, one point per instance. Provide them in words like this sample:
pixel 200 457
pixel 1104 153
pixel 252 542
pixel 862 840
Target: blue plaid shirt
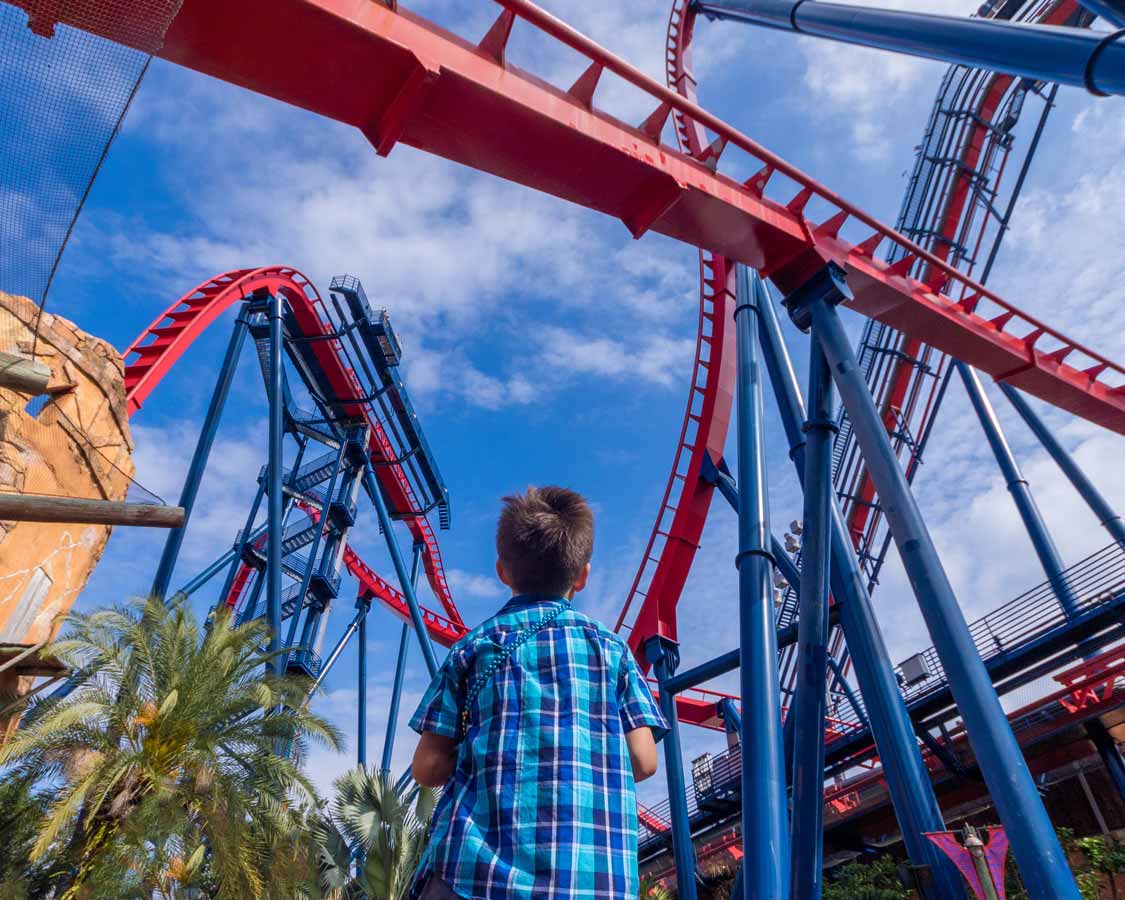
pixel 541 803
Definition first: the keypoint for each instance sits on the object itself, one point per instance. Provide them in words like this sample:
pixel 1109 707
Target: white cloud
pixel 470 584
pixel 657 359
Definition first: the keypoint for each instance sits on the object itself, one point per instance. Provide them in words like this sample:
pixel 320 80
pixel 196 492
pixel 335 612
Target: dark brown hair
pixel 544 539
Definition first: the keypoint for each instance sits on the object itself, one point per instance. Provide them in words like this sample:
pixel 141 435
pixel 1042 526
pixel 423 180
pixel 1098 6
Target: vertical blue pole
pixel 400 669
pixel 361 741
pixel 1111 756
pixel 664 654
pixel 1109 518
pixel 841 680
pixel 908 782
pixel 765 832
pixel 1018 487
pixel 376 493
pixel 322 527
pixel 807 844
pixel 1037 851
pixel 732 718
pixel 203 446
pixel 275 510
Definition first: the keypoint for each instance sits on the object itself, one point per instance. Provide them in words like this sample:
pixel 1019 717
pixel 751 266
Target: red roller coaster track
pixel 151 356
pixel 398 77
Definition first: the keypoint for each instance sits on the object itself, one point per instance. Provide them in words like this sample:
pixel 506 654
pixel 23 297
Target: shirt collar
pixel 520 600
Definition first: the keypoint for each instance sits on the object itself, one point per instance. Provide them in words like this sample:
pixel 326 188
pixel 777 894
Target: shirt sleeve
pixel 440 708
pixel 635 700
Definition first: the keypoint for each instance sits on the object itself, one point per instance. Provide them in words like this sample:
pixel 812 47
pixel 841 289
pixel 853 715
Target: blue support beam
pixel 1038 854
pixel 371 483
pixel 732 720
pixel 908 782
pixel 400 670
pixel 190 491
pixel 1018 487
pixel 314 548
pixel 1052 53
pixel 664 655
pixel 841 680
pixel 361 704
pixel 1113 11
pixel 1110 754
pixel 275 510
pixel 809 702
pixel 1109 518
pixel 765 831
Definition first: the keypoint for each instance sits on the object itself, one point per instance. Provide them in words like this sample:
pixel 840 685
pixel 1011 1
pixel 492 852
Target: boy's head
pixel 544 541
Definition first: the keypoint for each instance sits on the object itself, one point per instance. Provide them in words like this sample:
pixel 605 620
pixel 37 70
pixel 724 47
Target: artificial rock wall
pixel 75 443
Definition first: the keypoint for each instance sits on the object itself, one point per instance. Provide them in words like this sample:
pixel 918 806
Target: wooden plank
pixel 22 374
pixel 78 511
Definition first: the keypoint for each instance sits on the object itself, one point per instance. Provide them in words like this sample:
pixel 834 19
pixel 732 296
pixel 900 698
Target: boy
pixel 538 725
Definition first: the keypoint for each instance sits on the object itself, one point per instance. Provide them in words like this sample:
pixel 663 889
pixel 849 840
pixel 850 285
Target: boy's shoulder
pixel 464 649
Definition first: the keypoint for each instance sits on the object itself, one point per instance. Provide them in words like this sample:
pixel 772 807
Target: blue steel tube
pixel 1106 514
pixel 664 655
pixel 203 446
pixel 322 526
pixel 809 706
pixel 376 493
pixel 361 725
pixel 1113 11
pixel 400 670
pixel 1055 53
pixel 1037 851
pixel 1018 487
pixel 275 509
pixel 765 832
pixel 908 782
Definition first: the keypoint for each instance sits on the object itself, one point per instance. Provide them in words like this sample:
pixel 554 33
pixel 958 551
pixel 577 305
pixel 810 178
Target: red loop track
pixel 151 356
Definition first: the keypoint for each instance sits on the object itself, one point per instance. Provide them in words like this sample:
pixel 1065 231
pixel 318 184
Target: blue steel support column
pixel 1113 11
pixel 1053 53
pixel 1106 514
pixel 275 509
pixel 361 739
pixel 807 844
pixel 203 446
pixel 857 707
pixel 400 670
pixel 1107 749
pixel 1037 851
pixel 314 548
pixel 376 494
pixel 908 782
pixel 732 719
pixel 1032 519
pixel 664 654
pixel 765 832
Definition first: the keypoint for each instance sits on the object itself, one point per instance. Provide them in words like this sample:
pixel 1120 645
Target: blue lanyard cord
pixel 491 669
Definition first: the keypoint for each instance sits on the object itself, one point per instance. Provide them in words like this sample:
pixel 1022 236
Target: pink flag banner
pixel 995 854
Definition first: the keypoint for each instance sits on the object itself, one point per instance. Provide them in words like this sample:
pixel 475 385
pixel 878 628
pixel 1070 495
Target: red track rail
pixel 164 341
pixel 400 78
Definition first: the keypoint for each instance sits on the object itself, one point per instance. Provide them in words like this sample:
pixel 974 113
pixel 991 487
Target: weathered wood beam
pixel 24 375
pixel 72 510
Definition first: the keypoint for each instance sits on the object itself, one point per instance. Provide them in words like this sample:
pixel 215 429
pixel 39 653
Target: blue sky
pixel 541 343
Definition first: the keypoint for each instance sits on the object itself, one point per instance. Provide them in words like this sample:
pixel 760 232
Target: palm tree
pixel 382 828
pixel 174 739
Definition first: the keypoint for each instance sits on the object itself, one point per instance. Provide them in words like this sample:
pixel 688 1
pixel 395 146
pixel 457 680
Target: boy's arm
pixel 436 720
pixel 435 759
pixel 642 752
pixel 641 718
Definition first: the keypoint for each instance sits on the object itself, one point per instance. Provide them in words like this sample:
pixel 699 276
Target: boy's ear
pixel 502 575
pixel 582 579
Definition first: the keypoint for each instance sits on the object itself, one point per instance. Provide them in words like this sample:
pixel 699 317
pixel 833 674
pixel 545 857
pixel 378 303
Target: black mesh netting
pixel 68 72
pixel 63 93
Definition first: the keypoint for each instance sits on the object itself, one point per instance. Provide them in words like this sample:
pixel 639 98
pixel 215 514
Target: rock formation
pixel 73 442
